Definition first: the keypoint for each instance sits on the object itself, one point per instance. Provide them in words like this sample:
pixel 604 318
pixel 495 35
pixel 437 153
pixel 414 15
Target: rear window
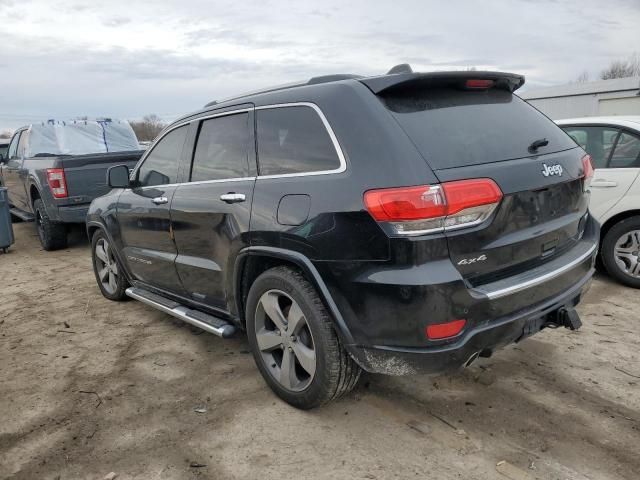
pixel 294 140
pixel 453 128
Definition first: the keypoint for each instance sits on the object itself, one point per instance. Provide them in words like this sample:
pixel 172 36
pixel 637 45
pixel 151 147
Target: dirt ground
pixel 89 387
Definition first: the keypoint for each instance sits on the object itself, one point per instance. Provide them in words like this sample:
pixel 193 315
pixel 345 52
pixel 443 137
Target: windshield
pixel 453 128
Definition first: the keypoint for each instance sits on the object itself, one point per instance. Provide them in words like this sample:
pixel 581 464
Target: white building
pixel 619 96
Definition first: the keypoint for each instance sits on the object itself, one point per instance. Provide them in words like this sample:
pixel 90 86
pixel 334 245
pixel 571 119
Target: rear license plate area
pixel 532 326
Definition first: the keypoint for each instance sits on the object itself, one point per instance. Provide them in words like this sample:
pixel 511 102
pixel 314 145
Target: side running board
pixel 22 215
pixel 199 319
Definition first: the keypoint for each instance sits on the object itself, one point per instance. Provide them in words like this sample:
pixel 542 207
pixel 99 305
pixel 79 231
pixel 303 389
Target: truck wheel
pixel 621 251
pixel 294 343
pixel 108 271
pixel 53 235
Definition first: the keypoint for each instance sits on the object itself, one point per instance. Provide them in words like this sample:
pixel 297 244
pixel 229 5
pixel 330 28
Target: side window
pixel 161 165
pixel 596 141
pixel 13 147
pixel 221 151
pixel 22 143
pixel 627 152
pixel 293 140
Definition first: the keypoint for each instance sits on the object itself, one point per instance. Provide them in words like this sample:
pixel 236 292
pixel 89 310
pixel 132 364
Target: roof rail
pixel 312 81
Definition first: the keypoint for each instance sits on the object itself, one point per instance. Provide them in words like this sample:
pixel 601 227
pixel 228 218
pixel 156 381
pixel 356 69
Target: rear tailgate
pixel 86 175
pixel 466 133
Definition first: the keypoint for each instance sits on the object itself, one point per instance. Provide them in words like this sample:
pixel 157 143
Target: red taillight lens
pixel 587 166
pixel 431 208
pixel 587 171
pixel 470 193
pixel 478 83
pixel 406 203
pixel 57 182
pixel 439 331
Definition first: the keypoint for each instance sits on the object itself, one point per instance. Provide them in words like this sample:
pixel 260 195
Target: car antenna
pixel 402 68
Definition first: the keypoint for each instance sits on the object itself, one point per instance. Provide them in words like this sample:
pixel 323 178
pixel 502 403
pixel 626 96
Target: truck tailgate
pixel 86 175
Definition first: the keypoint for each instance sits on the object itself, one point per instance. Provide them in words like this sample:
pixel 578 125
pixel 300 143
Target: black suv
pixel 399 224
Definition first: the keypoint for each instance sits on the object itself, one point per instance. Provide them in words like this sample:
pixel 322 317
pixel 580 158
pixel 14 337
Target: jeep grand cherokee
pixel 403 223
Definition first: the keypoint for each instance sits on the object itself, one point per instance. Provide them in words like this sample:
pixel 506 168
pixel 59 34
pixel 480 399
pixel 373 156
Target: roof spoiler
pixel 396 81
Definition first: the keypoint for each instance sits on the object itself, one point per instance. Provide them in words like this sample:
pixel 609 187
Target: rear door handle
pixel 160 200
pixel 233 197
pixel 604 183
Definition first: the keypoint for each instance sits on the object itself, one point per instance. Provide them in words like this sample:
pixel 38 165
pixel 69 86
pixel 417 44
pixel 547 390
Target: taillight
pixel 587 171
pixel 479 84
pixel 434 208
pixel 439 331
pixel 57 182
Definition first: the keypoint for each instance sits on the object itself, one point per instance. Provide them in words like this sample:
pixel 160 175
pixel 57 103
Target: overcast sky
pixel 128 58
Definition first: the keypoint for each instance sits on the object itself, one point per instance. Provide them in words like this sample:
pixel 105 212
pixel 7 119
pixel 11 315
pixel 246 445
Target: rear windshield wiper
pixel 536 144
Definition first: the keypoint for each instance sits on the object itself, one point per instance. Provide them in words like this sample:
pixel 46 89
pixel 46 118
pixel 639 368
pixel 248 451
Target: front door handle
pixel 603 183
pixel 160 200
pixel 233 197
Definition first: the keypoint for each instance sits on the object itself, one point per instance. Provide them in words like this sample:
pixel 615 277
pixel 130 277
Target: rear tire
pixel 52 235
pixel 109 273
pixel 620 251
pixel 305 329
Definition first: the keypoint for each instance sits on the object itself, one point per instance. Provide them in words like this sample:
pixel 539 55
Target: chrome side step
pixel 199 319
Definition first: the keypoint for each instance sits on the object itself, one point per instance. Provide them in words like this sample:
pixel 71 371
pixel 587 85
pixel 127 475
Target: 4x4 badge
pixel 548 170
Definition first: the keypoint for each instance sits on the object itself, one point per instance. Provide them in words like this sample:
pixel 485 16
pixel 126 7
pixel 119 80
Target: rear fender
pixel 310 272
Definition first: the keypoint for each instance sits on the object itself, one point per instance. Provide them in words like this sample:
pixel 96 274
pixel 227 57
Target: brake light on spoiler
pixel 434 208
pixel 57 182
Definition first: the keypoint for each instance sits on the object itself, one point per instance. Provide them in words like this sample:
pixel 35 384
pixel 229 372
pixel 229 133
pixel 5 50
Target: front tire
pixel 52 235
pixel 621 251
pixel 294 343
pixel 107 269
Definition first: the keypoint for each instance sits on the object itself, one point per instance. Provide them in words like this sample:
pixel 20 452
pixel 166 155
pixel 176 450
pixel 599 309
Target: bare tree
pixel 6 134
pixel 148 128
pixel 583 77
pixel 622 68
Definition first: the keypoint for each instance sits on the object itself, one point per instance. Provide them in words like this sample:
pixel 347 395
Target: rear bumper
pixel 72 214
pixel 483 339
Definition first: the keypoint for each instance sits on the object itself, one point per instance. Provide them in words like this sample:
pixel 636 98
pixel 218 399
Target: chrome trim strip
pixel 332 136
pixel 316 108
pixel 538 280
pixel 170 129
pixel 181 313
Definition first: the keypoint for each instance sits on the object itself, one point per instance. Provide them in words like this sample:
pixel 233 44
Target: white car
pixel 614 146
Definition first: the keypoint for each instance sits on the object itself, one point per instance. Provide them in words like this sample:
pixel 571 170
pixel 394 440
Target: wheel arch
pixel 92 228
pixel 253 261
pixel 610 222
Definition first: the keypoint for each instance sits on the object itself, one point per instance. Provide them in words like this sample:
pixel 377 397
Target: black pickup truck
pixel 54 170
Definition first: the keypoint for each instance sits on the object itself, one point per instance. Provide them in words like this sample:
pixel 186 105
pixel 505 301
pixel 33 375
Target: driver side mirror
pixel 2 159
pixel 118 176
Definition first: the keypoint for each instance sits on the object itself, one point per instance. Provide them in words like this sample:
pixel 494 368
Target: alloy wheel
pixel 627 253
pixel 106 266
pixel 285 340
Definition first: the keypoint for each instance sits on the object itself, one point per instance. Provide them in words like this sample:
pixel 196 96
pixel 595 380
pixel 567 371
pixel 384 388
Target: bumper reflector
pixel 439 331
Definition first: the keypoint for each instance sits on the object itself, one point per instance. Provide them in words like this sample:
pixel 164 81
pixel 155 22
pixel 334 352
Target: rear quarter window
pixel 294 140
pixel 454 128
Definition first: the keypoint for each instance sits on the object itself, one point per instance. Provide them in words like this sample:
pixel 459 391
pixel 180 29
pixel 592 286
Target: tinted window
pixel 22 144
pixel 222 149
pixel 596 141
pixel 13 147
pixel 294 140
pixel 626 152
pixel 453 128
pixel 161 166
